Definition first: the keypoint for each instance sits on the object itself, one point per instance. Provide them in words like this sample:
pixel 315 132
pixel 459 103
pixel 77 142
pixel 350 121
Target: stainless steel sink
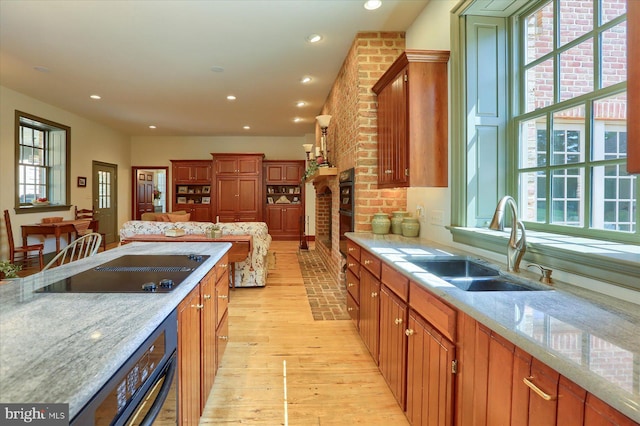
pixel 471 275
pixel 455 268
pixel 489 284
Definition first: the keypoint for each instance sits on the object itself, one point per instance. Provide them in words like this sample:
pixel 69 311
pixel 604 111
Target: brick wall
pixel 352 135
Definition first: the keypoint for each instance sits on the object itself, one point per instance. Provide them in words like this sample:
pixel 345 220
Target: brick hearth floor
pixel 327 297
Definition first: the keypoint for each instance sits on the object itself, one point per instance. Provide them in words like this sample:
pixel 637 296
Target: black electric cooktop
pixel 131 274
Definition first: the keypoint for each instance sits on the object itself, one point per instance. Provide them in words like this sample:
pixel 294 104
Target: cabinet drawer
pixel 431 308
pixel 353 265
pixel 395 281
pixel 353 250
pixel 354 310
pixel 370 262
pixel 222 298
pixel 353 286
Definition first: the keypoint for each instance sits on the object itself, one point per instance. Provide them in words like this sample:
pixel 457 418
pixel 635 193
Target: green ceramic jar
pixel 396 221
pixel 410 227
pixel 380 223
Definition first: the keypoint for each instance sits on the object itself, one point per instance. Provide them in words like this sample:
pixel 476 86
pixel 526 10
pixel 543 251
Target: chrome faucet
pixel 516 247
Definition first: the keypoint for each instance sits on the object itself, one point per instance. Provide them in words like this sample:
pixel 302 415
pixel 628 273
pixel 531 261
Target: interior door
pixel 104 198
pixel 144 194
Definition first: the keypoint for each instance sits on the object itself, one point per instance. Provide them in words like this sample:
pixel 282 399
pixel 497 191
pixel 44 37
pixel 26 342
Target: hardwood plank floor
pixel 330 377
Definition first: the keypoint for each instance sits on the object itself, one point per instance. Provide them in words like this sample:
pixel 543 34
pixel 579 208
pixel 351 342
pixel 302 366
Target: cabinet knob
pixel 350 249
pixel 351 265
pixel 223 296
pixel 374 294
pixel 398 321
pixel 388 171
pixel 223 337
pixel 223 265
pixel 207 296
pixel 198 306
pixel 408 332
pixel 349 309
pixel 368 262
pixel 350 284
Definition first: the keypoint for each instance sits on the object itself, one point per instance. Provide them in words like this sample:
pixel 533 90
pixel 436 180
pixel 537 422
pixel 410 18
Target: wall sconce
pixel 323 122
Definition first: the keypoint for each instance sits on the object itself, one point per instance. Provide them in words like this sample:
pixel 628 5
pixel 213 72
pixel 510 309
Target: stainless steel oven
pixel 144 390
pixel 346 207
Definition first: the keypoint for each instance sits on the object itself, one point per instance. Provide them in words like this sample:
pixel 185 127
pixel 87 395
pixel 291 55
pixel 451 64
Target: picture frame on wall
pixel 82 181
pixel 182 190
pixel 149 177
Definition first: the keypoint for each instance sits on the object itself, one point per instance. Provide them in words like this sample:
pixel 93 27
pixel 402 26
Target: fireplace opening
pixel 323 217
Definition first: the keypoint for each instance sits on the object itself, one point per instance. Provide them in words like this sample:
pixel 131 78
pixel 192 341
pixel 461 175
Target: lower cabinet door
pixel 370 312
pixel 189 359
pixel 222 334
pixel 393 343
pixel 429 374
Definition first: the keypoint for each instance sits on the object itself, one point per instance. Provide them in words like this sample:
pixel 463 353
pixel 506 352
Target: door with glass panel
pixel 104 198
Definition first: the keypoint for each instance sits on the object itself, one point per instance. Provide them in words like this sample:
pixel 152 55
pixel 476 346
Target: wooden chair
pixel 23 251
pixel 89 214
pixel 82 247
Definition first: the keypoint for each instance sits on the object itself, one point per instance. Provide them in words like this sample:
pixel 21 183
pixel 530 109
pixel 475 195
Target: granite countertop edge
pixel 41 333
pixel 570 297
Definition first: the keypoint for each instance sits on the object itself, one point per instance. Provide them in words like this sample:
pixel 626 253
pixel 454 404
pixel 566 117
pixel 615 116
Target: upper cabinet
pixel 633 88
pixel 413 120
pixel 283 172
pixel 237 164
pixel 192 171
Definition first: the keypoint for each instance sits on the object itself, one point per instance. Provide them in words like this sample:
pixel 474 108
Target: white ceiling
pixel 151 60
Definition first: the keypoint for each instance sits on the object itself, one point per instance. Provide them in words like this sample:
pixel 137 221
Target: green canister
pixel 380 223
pixel 396 221
pixel 410 227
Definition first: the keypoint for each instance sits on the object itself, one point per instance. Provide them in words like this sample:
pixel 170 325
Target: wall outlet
pixel 436 217
pixel 420 212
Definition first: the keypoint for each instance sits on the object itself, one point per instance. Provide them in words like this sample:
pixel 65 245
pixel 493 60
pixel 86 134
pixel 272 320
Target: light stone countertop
pixel 590 338
pixel 63 347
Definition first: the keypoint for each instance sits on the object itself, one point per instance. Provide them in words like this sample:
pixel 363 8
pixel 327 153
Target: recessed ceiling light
pixel 372 4
pixel 40 68
pixel 246 127
pixel 95 97
pixel 152 127
pixel 297 120
pixel 216 68
pixel 300 104
pixel 314 38
pixel 231 98
pixel 305 80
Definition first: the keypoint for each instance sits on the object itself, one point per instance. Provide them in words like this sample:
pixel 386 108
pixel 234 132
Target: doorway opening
pixel 149 190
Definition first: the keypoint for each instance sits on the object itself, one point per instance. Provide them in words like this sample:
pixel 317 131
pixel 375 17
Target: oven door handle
pixel 164 392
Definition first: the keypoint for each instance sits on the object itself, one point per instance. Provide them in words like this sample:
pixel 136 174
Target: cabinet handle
pixel 207 296
pixel 223 296
pixel 350 249
pixel 223 337
pixel 350 284
pixel 374 294
pixel 388 171
pixel 408 332
pixel 367 262
pixel 198 306
pixel 527 381
pixel 351 265
pixel 398 321
pixel 223 265
pixel 349 309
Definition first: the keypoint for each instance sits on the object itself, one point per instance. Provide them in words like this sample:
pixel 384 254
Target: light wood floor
pixel 330 377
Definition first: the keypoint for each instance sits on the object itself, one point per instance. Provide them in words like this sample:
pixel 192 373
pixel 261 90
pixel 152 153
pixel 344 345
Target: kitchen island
pixel 588 338
pixel 63 347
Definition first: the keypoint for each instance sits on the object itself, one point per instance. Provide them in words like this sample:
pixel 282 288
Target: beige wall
pixel 89 141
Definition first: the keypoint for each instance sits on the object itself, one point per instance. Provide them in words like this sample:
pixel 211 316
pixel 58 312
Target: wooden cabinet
pixel 238 187
pixel 283 172
pixel 393 343
pixel 412 121
pixel 633 88
pixel 284 221
pixel 353 282
pixel 191 182
pixel 370 312
pixel 189 359
pixel 284 200
pixel 430 376
pixel 199 335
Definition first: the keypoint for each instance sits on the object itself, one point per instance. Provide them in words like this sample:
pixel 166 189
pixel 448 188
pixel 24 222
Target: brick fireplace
pixel 352 142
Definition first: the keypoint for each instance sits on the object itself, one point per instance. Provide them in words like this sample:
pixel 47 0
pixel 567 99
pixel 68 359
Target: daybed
pixel 250 273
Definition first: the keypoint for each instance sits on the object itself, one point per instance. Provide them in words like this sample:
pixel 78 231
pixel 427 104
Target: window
pixel 571 121
pixel 41 162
